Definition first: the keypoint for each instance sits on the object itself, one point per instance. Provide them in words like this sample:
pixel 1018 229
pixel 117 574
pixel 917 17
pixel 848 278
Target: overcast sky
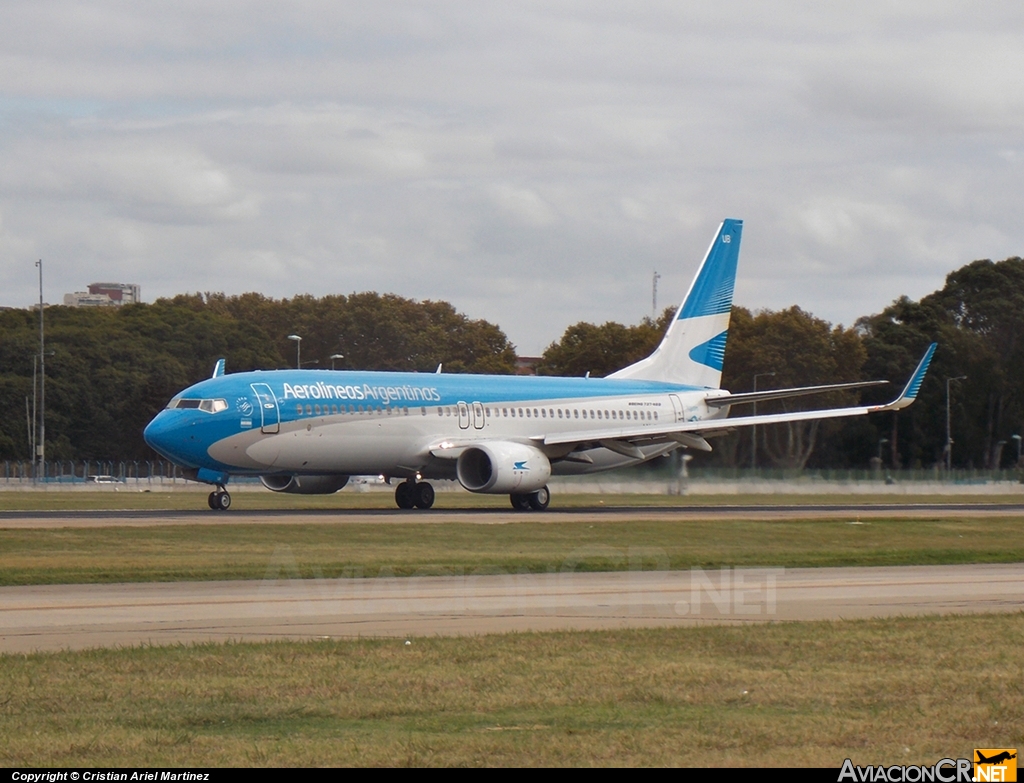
pixel 531 162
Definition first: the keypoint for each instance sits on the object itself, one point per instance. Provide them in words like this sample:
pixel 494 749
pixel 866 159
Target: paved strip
pixel 43 520
pixel 56 617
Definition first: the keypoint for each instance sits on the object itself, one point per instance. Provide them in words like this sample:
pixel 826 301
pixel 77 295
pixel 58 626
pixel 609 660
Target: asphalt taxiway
pixel 54 617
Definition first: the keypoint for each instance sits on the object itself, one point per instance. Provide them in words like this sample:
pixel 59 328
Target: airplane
pixel 996 759
pixel 308 431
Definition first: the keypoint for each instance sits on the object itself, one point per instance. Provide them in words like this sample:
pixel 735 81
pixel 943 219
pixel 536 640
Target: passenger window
pixel 575 413
pixel 440 412
pixel 655 415
pixel 423 411
pixel 309 410
pixel 559 413
pixel 316 409
pixel 527 413
pixel 543 413
pixel 298 410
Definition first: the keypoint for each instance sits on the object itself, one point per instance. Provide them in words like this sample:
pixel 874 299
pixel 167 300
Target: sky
pixel 533 163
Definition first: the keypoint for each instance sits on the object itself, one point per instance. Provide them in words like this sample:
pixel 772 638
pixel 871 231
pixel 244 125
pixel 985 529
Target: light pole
pixel 336 356
pixel 881 442
pixel 753 429
pixel 1017 438
pixel 949 439
pixel 298 350
pixel 42 376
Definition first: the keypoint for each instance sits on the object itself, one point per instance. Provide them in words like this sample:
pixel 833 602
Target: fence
pixel 98 472
pixel 19 472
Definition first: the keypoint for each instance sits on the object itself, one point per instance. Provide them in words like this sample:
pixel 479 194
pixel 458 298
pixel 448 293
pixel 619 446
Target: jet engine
pixel 305 485
pixel 500 467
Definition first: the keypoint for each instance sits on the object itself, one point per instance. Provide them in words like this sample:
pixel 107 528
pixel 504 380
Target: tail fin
pixel 693 348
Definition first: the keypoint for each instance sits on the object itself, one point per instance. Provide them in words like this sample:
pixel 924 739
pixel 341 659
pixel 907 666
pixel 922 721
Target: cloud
pixel 531 162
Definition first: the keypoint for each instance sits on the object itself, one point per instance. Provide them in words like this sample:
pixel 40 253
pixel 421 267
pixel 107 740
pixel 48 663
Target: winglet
pixel 913 385
pixel 218 369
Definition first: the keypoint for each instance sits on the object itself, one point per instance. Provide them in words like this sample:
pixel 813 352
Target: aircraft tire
pixel 223 500
pixel 405 495
pixel 540 499
pixel 423 495
pixel 212 501
pixel 520 502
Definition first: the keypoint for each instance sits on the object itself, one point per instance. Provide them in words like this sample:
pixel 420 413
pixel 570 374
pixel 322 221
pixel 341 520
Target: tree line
pixel 112 369
pixel 977 318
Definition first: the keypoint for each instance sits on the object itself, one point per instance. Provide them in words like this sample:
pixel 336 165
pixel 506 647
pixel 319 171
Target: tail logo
pixel 712 353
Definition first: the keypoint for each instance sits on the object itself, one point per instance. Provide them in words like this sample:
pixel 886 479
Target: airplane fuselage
pixel 360 423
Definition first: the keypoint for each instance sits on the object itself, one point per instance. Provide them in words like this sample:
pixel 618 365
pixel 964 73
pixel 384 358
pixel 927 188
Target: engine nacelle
pixel 499 468
pixel 305 485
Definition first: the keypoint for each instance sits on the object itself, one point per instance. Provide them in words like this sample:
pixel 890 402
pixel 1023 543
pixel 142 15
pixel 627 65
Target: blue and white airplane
pixel 307 431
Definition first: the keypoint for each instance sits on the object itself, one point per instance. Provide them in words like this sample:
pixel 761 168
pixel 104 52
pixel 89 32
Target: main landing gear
pixel 219 500
pixel 414 494
pixel 532 501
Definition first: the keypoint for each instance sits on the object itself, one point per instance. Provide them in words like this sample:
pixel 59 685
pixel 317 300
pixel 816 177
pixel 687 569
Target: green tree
pixel 601 350
pixel 800 350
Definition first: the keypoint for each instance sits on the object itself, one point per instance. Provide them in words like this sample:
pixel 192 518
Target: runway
pixel 606 513
pixel 84 616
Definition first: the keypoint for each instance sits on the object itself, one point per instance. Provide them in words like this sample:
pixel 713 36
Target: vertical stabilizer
pixel 693 348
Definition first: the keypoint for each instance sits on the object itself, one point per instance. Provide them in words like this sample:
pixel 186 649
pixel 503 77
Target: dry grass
pixel 903 691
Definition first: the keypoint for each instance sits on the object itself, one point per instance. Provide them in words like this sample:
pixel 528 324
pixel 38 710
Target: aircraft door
pixel 478 415
pixel 463 416
pixel 677 406
pixel 269 412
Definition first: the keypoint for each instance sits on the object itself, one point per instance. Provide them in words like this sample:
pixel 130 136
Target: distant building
pixel 527 365
pixel 119 293
pixel 105 295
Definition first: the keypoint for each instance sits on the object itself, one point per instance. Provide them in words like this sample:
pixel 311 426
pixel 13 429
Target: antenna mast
pixel 654 296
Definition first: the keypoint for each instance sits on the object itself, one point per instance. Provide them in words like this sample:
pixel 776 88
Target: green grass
pixel 191 499
pixel 332 549
pixel 907 691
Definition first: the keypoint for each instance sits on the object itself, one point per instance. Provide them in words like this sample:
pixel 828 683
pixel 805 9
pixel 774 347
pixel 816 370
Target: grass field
pixel 908 691
pixel 192 497
pixel 239 551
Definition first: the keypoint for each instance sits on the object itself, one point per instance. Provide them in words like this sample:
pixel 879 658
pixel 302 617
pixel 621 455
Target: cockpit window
pixel 210 406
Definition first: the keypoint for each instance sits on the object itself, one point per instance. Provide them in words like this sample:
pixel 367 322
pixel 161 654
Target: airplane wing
pixel 780 394
pixel 624 440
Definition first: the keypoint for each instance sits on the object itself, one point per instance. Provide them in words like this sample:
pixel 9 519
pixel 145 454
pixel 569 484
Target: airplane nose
pixel 161 436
